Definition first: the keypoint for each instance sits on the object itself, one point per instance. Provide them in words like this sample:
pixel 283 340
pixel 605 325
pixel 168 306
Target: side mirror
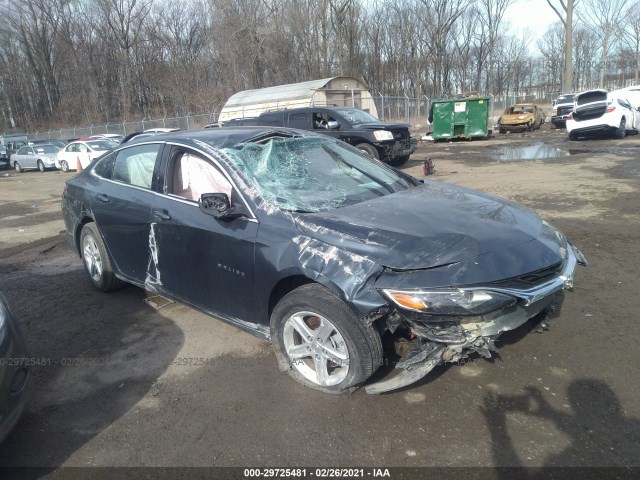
pixel 333 125
pixel 217 205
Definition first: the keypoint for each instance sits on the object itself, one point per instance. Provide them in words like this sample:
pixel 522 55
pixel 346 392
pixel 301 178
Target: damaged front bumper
pixel 399 148
pixel 451 341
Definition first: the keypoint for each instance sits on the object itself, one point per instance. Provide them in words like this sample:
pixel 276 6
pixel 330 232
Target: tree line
pixel 65 62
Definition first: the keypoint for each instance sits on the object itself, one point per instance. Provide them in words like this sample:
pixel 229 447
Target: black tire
pixel 64 166
pixel 369 150
pixel 41 166
pixel 529 126
pixel 621 131
pixel 91 244
pixel 362 342
pixel 502 130
pixel 398 162
pixel 18 167
pixel 573 136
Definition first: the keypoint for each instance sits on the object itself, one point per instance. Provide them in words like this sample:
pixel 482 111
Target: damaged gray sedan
pixel 310 244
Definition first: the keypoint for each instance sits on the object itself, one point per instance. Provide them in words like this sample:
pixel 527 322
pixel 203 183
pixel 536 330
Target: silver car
pixel 30 157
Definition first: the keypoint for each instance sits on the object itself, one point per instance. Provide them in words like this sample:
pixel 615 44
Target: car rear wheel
pixel 96 259
pixel 573 136
pixel 368 149
pixel 621 131
pixel 41 166
pixel 64 166
pixel 321 343
pixel 17 166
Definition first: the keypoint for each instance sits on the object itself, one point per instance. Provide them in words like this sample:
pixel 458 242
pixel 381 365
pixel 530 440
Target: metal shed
pixel 339 91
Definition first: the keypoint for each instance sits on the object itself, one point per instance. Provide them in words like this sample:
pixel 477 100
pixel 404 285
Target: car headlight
pixel 549 231
pixel 381 135
pixel 452 301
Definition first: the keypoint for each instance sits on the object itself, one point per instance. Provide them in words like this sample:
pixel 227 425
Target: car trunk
pixel 590 105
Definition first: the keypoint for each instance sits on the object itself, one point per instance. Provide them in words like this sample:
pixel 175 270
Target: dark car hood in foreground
pixel 428 226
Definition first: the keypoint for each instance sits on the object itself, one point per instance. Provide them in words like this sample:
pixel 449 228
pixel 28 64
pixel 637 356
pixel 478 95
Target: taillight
pixel 610 109
pixel 569 117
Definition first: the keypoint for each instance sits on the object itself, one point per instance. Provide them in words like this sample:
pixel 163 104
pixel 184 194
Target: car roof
pixel 216 137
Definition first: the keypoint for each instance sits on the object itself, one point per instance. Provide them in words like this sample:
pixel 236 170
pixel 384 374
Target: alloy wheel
pixel 92 259
pixel 316 349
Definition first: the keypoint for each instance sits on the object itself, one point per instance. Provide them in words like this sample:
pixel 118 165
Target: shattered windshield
pixel 313 174
pixel 355 116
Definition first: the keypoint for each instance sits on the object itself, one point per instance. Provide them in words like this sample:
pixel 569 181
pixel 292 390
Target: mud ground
pixel 129 381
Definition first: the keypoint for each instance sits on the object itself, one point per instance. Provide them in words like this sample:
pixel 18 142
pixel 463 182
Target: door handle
pixel 161 215
pixel 102 197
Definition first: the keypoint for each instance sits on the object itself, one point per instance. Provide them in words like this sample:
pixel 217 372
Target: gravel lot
pixel 129 380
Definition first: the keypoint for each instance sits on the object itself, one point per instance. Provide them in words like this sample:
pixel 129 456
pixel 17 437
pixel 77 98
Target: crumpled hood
pixel 427 226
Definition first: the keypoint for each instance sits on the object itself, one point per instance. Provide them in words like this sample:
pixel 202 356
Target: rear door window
pixel 135 165
pixel 300 120
pixel 271 119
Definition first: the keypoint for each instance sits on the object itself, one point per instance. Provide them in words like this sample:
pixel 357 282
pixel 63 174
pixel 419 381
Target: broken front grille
pixel 532 279
pixel 401 134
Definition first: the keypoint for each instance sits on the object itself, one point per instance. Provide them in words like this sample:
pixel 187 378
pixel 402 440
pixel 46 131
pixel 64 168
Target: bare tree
pixel 604 19
pixel 631 37
pixel 564 10
pixel 491 16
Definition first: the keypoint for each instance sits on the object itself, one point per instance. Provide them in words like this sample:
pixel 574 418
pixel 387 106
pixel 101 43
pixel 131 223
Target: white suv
pixel 601 111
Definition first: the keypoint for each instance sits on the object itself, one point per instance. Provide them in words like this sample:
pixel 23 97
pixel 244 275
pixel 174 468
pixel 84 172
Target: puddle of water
pixel 538 151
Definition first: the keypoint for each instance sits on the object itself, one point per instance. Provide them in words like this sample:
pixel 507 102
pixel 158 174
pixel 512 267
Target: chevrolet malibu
pixel 309 243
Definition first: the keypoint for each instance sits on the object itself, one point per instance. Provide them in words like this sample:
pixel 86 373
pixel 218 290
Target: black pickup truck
pixel 389 142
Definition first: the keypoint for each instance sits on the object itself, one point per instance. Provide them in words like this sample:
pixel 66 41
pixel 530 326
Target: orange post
pixel 78 165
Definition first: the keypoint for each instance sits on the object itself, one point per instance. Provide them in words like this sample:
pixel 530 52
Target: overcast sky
pixel 535 15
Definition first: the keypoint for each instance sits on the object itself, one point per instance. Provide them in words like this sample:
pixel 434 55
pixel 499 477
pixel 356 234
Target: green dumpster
pixel 459 118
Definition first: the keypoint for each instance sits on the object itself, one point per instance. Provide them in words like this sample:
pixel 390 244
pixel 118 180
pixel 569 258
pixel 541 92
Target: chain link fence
pixel 189 122
pixel 400 109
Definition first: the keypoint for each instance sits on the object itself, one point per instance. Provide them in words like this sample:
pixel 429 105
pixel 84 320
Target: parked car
pixel 31 157
pixel 519 117
pixel 598 111
pixel 82 151
pixel 630 93
pixel 562 107
pixel 51 141
pixel 4 158
pixel 14 371
pixel 389 142
pixel 13 147
pixel 114 137
pixel 241 122
pixel 161 130
pixel 310 243
pixel 138 136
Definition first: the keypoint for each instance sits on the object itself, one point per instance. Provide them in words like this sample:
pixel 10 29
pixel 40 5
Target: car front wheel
pixel 321 343
pixel 96 260
pixel 41 166
pixel 18 167
pixel 368 149
pixel 64 166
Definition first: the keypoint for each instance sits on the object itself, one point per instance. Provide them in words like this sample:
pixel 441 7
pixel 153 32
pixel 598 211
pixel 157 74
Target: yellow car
pixel 520 117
